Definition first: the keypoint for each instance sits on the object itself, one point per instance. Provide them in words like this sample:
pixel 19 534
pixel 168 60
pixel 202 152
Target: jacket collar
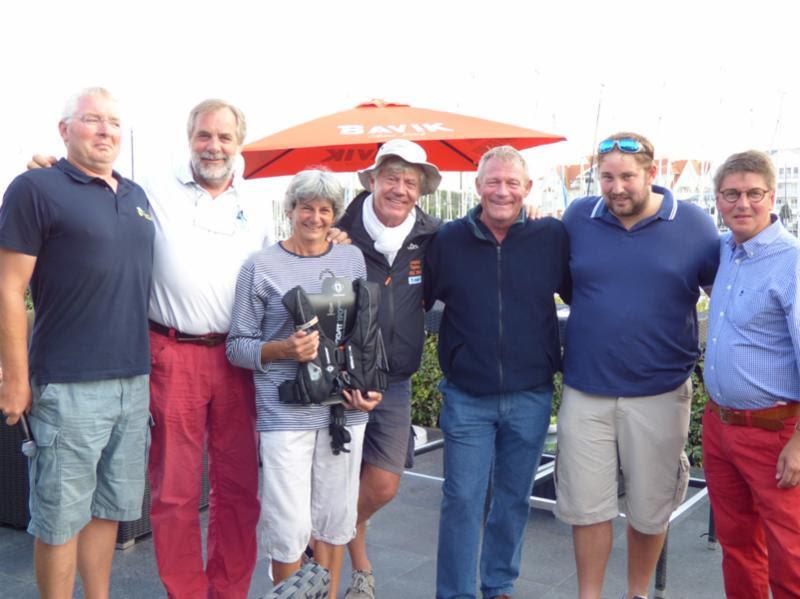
pixel 425 224
pixel 481 231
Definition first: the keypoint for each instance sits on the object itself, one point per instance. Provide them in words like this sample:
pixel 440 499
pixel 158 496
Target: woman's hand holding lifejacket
pixel 357 401
pixel 302 346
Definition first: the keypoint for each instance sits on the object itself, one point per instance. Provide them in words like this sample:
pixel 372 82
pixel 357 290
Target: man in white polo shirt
pixel 206 225
pixel 208 221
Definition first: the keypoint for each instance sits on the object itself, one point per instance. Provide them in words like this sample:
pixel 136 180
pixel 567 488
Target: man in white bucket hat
pixel 386 224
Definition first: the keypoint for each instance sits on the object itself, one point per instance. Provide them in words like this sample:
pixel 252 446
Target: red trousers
pixel 198 399
pixel 757 523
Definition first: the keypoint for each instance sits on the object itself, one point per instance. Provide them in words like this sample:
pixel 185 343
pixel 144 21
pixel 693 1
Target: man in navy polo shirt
pixel 638 259
pixel 82 236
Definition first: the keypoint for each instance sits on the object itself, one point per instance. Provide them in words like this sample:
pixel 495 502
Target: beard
pixel 635 203
pixel 212 173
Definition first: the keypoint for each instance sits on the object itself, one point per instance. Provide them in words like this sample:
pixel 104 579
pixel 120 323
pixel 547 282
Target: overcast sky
pixel 701 78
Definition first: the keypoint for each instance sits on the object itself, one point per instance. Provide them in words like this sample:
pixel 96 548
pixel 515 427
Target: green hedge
pixel 425 395
pixel 694 448
pixel 426 399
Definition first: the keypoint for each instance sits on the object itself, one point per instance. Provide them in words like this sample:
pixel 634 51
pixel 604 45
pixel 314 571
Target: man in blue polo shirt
pixel 82 236
pixel 751 436
pixel 638 259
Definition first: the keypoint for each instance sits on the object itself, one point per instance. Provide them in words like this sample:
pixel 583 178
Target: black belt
pixel 209 339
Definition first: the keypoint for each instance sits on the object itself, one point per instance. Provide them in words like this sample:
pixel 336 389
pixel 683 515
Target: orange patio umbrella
pixel 347 141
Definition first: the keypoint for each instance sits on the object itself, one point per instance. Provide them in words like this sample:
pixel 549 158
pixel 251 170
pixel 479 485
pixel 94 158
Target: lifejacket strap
pixel 338 430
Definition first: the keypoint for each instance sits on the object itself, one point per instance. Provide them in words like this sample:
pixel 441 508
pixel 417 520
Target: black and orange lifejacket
pixel 357 362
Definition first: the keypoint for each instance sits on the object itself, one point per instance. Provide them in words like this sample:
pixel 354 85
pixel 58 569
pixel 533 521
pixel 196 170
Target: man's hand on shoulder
pixel 41 161
pixel 534 212
pixel 338 236
pixel 788 468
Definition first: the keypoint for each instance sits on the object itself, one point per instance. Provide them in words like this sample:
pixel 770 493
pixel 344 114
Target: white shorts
pixel 307 491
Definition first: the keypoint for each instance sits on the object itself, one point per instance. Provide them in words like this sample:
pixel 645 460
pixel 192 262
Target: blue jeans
pixel 498 435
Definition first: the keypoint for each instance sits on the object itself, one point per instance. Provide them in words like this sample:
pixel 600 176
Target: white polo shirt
pixel 200 245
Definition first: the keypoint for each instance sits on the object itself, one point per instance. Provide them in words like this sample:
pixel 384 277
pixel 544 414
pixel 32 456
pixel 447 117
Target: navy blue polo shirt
pixel 632 329
pixel 91 282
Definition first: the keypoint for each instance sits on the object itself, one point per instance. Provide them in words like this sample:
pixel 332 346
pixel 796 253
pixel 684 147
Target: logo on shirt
pixel 415 272
pixel 144 214
pixel 412 246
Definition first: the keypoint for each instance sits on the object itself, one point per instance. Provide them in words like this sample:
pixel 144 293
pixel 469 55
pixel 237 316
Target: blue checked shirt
pixel 753 347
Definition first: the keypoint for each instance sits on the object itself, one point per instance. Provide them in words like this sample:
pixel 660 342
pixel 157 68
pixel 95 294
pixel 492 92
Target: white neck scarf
pixel 388 240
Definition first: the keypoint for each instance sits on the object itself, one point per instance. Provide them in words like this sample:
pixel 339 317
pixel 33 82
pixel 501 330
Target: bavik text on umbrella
pixel 348 141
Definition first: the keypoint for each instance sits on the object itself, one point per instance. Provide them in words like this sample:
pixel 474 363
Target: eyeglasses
pixel 94 121
pixel 627 145
pixel 754 195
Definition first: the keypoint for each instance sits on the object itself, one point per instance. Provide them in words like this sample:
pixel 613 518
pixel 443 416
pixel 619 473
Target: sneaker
pixel 362 586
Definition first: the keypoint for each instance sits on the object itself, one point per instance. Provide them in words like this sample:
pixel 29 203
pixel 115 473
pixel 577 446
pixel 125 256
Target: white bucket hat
pixel 410 152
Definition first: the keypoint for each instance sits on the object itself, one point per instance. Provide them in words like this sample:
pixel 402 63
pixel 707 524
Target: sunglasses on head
pixel 627 145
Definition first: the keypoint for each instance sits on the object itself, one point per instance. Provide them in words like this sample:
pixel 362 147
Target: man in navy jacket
pixel 497 272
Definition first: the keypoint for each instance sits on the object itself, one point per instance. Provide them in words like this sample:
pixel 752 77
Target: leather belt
pixel 770 419
pixel 209 340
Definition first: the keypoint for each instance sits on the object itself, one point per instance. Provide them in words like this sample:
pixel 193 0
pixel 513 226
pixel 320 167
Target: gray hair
pixel 212 105
pixel 396 165
pixel 504 154
pixel 751 161
pixel 71 106
pixel 315 184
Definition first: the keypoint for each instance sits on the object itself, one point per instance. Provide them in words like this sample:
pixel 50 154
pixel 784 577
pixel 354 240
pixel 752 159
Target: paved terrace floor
pixel 402 546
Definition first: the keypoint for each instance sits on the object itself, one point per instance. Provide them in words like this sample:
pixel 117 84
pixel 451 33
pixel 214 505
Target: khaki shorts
pixel 641 439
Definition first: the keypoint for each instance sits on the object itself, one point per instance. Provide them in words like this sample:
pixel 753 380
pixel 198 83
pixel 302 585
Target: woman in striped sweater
pixel 307 490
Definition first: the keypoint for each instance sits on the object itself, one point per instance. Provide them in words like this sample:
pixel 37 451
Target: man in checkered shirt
pixel 751 443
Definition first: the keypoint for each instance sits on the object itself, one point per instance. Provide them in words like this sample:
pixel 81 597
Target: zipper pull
pixel 388 281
